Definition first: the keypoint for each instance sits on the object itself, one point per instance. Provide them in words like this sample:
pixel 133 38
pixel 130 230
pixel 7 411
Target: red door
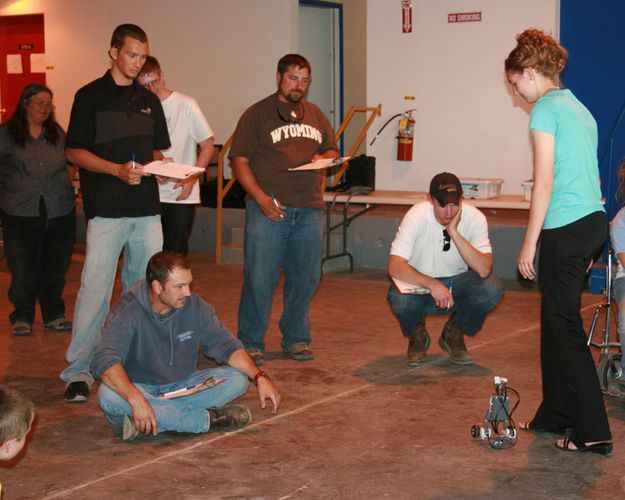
pixel 20 36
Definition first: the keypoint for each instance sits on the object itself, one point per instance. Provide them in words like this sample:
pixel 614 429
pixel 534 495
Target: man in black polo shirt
pixel 115 127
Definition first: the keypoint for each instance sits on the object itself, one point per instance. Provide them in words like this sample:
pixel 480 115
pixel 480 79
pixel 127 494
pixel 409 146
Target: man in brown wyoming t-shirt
pixel 284 209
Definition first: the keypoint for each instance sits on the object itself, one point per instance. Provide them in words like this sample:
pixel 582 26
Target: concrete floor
pixel 356 422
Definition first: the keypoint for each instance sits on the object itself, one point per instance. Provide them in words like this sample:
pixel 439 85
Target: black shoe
pixel 77 392
pixel 229 418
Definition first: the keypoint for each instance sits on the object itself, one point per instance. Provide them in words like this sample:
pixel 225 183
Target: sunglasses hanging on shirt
pixel 446 241
pixel 293 116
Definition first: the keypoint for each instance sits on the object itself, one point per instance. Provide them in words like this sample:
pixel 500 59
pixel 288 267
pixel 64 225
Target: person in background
pixel 567 215
pixel 284 210
pixel 37 208
pixel 442 259
pixel 148 350
pixel 115 127
pixel 188 131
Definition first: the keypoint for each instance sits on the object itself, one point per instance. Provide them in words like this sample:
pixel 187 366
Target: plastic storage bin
pixel 527 189
pixel 481 188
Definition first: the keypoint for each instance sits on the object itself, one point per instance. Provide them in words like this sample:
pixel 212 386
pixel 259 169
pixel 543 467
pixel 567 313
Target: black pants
pixel 571 391
pixel 177 222
pixel 38 252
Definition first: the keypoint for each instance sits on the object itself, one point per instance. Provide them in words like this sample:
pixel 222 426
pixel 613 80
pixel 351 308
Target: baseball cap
pixel 446 188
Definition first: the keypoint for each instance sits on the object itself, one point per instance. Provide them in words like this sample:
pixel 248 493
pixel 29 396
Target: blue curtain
pixel 594 35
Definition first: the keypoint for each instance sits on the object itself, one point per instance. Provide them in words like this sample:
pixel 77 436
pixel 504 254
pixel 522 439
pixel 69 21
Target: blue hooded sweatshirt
pixel 157 349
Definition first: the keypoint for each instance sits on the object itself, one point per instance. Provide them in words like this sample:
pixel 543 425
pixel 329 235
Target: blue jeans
pixel 294 243
pixel 140 238
pixel 619 293
pixel 474 298
pixel 184 414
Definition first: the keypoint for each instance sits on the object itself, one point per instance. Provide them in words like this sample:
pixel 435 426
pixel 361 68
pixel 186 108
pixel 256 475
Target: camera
pixel 498 427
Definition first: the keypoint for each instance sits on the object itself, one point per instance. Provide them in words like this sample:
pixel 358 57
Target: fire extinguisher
pixel 405 134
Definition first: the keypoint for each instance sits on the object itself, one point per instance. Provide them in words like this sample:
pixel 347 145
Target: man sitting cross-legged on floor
pixel 442 258
pixel 149 348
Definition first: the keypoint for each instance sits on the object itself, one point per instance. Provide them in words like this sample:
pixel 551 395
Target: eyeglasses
pixel 446 241
pixel 43 104
pixel 294 117
pixel 152 83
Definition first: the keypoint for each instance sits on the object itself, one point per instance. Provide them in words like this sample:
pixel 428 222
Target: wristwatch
pixel 260 374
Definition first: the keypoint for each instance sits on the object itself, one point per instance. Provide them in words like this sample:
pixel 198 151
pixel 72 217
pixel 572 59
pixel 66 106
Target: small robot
pixel 498 427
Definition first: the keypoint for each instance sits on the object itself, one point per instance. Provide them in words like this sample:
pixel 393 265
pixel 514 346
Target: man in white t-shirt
pixel 440 263
pixel 188 130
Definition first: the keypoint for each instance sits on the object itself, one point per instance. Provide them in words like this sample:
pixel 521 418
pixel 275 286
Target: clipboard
pixel 405 287
pixel 324 163
pixel 187 391
pixel 170 169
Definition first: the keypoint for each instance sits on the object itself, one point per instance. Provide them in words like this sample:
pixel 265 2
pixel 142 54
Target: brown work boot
pixel 130 432
pixel 229 418
pixel 418 344
pixel 452 341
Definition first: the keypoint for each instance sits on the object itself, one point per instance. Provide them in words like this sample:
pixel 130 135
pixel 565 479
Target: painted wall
pixel 222 52
pixel 467 120
pixel 355 66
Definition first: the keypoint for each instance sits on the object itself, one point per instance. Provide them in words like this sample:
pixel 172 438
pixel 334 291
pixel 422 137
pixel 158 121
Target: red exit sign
pixel 464 17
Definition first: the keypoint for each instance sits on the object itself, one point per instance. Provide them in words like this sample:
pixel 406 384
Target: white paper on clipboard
pixel 324 163
pixel 209 383
pixel 405 287
pixel 170 169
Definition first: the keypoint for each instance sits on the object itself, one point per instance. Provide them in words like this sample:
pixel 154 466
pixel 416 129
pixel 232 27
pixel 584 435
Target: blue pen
pixel 273 197
pixel 133 160
pixel 275 202
pixel 451 287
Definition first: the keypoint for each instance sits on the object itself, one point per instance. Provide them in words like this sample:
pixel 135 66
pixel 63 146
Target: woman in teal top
pixel 567 214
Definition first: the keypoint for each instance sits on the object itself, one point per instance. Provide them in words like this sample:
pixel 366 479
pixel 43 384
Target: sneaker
pixel 21 328
pixel 300 352
pixel 77 392
pixel 418 344
pixel 452 341
pixel 229 418
pixel 130 432
pixel 58 325
pixel 257 355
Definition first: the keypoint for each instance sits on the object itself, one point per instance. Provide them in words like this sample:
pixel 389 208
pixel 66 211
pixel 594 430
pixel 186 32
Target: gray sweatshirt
pixel 158 349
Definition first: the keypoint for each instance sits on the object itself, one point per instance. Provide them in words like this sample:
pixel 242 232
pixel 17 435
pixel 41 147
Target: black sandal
pixel 604 448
